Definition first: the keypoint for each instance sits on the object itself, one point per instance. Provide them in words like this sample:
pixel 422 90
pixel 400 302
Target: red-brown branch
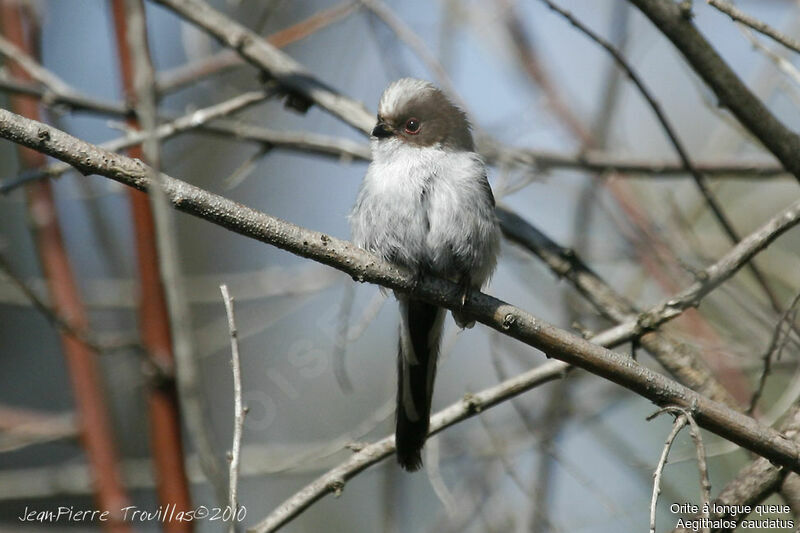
pixel 165 430
pixel 85 377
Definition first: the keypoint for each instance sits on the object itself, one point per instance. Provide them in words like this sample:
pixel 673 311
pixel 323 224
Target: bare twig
pixel 33 69
pixel 60 321
pixel 495 313
pixel 590 161
pixel 185 123
pixel 334 480
pixel 775 348
pixel 24 427
pixel 755 482
pixel 245 169
pixel 752 22
pixel 85 376
pixel 702 465
pixel 72 101
pixel 287 72
pixel 536 71
pixel 683 155
pixel 686 366
pixel 239 411
pixel 783 64
pixel 671 19
pixel 190 73
pixel 680 421
pixel 415 43
pixel 342 339
pixel 545 484
pixel 149 223
pixel 708 279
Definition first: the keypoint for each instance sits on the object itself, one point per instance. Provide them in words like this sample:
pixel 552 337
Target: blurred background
pixel 318 350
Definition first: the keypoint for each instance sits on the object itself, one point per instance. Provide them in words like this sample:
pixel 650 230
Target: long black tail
pixel 420 332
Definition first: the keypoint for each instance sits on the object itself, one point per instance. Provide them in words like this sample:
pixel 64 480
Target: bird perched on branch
pixel 425 204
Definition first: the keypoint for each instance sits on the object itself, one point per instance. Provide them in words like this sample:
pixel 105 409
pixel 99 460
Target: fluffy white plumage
pixel 427 208
pixel 425 203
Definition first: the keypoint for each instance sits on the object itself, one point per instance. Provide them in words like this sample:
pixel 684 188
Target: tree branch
pixel 472 404
pixel 287 72
pixel 752 22
pixel 699 180
pixel 680 361
pixel 364 267
pixel 675 23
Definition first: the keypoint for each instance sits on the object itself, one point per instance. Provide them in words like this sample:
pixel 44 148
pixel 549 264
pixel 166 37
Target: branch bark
pixel 674 21
pixel 680 361
pixel 287 72
pixel 364 267
pixel 154 323
pixel 84 374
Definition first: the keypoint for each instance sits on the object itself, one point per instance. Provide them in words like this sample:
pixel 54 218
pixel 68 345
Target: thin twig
pixel 683 155
pixel 155 253
pixel 536 71
pixel 195 71
pixel 334 480
pixel 783 64
pixel 81 362
pixel 186 360
pixel 20 428
pixel 774 349
pixel 755 482
pixel 673 20
pixel 415 43
pixel 239 411
pixel 708 279
pixel 59 321
pixel 342 339
pixel 752 22
pixel 33 68
pixel 680 421
pixel 72 101
pixel 495 313
pixel 288 73
pixel 180 125
pixel 702 464
pixel 543 160
pixel 681 361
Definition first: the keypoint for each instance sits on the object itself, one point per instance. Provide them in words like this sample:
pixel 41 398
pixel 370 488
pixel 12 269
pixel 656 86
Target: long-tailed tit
pixel 425 204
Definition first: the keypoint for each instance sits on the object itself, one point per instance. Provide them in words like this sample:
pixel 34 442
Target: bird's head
pixel 417 113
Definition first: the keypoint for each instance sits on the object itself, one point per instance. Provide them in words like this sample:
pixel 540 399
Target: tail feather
pixel 420 333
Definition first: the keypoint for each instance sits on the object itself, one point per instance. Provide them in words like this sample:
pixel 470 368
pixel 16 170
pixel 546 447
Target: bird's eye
pixel 412 126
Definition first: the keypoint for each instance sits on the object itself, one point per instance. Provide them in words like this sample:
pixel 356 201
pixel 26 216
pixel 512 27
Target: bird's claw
pixel 416 280
pixel 466 290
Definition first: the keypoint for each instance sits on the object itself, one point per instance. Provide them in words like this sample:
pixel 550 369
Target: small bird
pixel 425 204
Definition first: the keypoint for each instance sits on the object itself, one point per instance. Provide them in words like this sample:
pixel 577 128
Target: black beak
pixel 381 131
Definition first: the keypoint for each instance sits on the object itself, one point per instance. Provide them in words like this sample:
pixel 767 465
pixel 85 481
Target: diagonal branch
pixel 33 69
pixel 333 481
pixel 707 279
pixel 542 160
pixel 674 21
pixel 761 27
pixel 188 122
pixel 365 267
pixel 288 73
pixel 191 73
pixel 699 180
pixel 679 360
